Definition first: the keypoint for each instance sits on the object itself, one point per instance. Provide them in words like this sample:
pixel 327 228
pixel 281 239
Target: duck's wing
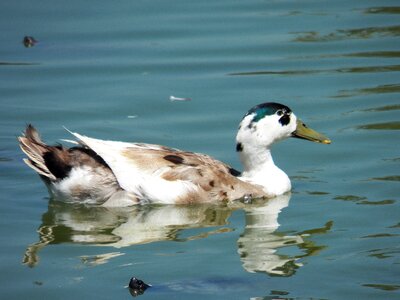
pixel 165 175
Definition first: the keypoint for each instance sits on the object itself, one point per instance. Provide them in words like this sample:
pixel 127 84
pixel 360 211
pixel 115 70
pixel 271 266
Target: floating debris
pixel 137 286
pixel 29 41
pixel 132 117
pixel 173 98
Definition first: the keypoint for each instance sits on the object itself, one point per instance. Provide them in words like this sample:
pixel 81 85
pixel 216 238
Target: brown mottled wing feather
pixel 214 177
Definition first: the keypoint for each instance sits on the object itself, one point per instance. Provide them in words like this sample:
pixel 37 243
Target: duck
pixel 115 173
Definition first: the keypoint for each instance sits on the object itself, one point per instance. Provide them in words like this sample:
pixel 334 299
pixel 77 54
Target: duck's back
pixel 121 174
pixel 164 175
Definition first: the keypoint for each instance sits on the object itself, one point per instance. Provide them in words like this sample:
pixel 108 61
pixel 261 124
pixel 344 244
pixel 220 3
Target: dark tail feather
pixel 32 134
pixel 31 144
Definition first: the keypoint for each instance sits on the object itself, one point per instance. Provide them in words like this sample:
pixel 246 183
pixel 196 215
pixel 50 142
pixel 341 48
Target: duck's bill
pixel 303 132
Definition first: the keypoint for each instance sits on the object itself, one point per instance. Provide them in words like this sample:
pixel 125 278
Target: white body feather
pixel 134 179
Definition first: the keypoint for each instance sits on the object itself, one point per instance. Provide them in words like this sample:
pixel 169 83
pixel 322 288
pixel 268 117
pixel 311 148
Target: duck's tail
pixel 32 145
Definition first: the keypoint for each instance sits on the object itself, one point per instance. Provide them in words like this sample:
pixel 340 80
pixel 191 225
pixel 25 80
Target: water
pixel 108 69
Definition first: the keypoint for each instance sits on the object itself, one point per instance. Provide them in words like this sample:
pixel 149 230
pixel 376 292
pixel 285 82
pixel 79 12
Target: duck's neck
pixel 259 168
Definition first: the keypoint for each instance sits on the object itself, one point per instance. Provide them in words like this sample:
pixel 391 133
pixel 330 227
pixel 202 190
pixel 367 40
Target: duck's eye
pixel 279 112
pixel 285 119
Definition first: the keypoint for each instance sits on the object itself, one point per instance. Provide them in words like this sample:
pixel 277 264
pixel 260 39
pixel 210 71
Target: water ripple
pixel 346 34
pixel 387 178
pixel 384 287
pixel 9 63
pixel 363 200
pixel 380 89
pixel 381 126
pixel 367 69
pixel 383 10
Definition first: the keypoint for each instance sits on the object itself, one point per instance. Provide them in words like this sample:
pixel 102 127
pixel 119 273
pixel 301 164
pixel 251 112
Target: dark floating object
pixel 29 41
pixel 137 286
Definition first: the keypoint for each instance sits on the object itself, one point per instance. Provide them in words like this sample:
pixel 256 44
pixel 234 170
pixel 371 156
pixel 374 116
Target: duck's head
pixel 267 123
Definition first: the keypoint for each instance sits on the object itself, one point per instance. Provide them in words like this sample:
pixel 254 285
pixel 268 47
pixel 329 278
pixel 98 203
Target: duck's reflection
pixel 121 227
pixel 259 243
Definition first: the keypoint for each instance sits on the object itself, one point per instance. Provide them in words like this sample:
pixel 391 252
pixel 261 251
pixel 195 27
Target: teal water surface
pixel 108 69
